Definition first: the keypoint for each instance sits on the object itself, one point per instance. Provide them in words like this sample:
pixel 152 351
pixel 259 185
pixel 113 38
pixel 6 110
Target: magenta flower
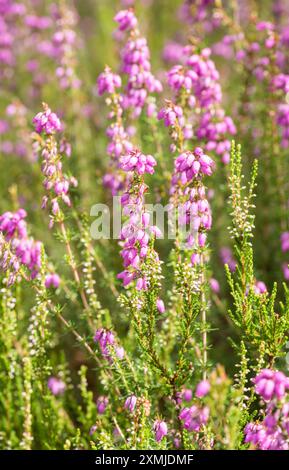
pixel 202 389
pixel 47 122
pixel 260 287
pixel 126 20
pixel 138 162
pixel 215 286
pixel 130 403
pixel 106 339
pixel 108 82
pixel 52 280
pixel 56 386
pixel 160 306
pixel 271 384
pixel 101 404
pixel 187 394
pixel 194 417
pixel 13 224
pixel 160 429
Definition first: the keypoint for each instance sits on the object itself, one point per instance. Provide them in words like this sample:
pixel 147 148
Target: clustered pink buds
pixel 55 182
pixel 108 82
pixel 134 234
pixel 160 429
pixel 194 417
pixel 106 339
pixel 194 208
pixel 13 224
pixel 198 81
pixel 138 162
pixel 189 164
pixel 136 65
pixel 27 251
pixel 272 432
pixel 271 384
pixel 126 20
pixel 47 122
pixel 172 114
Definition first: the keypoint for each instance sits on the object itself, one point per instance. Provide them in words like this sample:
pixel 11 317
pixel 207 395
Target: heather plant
pixel 144 300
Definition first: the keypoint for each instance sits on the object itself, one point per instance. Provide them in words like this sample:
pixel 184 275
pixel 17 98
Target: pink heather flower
pixel 56 386
pixel 160 429
pixel 260 287
pixel 101 404
pixel 194 417
pixel 47 122
pixel 138 162
pixel 52 280
pixel 126 20
pixel 195 259
pixel 191 164
pixel 160 306
pixel 136 65
pixel 202 388
pixel 107 82
pixel 187 394
pixel 130 403
pixel 28 252
pixel 215 286
pixel 171 114
pixel 271 384
pixel 270 434
pixel 13 224
pixel 105 338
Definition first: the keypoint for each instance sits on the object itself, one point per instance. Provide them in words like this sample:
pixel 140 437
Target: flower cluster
pixel 56 183
pixel 198 81
pixel 106 340
pixel 56 386
pixel 9 262
pixel 46 122
pixel 134 234
pixel 160 429
pixel 190 167
pixel 194 417
pixel 108 82
pixel 136 65
pixel 119 144
pixel 270 384
pixel 272 433
pixel 27 251
pixel 64 43
pixel 138 162
pixel 130 403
